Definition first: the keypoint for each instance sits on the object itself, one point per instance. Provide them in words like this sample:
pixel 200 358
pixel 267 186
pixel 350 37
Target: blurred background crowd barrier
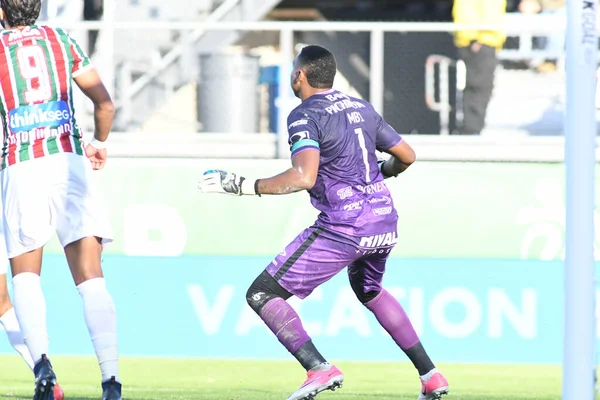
pixel 222 67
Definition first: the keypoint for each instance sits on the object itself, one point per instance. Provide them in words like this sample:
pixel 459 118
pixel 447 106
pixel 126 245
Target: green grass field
pixel 267 380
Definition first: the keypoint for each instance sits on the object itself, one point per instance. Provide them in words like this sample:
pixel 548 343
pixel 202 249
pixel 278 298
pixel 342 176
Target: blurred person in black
pixel 478 49
pixel 92 11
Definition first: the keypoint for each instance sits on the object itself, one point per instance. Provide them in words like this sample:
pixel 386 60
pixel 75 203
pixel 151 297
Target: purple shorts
pixel 317 255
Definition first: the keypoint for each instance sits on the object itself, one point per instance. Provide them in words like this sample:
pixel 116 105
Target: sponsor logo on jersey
pixel 382 211
pixel 357 205
pixel 382 199
pixel 372 188
pixel 19 35
pixel 344 193
pixel 298 123
pixel 46 115
pixel 384 239
pixel 298 136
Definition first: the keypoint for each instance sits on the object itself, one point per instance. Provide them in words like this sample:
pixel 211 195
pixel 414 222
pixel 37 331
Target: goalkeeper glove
pixel 218 181
pixel 380 165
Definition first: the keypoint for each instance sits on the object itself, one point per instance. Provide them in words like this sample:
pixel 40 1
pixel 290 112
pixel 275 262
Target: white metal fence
pixel 435 92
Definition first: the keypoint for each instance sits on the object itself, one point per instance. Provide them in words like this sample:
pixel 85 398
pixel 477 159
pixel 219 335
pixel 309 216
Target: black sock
pixel 309 356
pixel 419 358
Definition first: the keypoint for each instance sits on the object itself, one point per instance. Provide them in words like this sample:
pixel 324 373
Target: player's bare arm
pixel 302 175
pixel 104 111
pixel 403 156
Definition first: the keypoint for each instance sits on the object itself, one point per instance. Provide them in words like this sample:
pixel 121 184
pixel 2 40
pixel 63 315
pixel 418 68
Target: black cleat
pixel 111 389
pixel 45 379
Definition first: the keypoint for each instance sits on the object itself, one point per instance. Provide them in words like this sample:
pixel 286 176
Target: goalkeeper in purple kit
pixel 333 140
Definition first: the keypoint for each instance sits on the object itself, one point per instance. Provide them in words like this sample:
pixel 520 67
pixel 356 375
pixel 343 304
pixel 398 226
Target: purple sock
pixel 285 323
pixel 394 320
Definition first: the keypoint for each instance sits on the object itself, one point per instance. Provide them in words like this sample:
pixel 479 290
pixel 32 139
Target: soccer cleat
pixel 111 389
pixel 434 386
pixel 45 380
pixel 317 382
pixel 58 393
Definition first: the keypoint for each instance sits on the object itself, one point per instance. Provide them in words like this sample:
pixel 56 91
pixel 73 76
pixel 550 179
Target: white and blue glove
pixel 218 181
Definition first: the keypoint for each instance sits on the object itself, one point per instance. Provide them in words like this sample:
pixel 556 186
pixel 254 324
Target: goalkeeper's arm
pixel 402 157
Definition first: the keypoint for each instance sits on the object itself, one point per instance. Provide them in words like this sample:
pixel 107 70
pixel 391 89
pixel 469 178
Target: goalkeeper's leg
pixel 305 264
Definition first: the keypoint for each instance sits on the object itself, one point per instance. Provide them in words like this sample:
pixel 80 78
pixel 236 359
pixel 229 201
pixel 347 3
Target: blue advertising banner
pixel 194 306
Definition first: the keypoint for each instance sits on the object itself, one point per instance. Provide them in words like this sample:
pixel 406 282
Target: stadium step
pixel 179 65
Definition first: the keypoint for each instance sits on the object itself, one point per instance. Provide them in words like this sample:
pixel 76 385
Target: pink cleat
pixel 317 382
pixel 433 386
pixel 58 393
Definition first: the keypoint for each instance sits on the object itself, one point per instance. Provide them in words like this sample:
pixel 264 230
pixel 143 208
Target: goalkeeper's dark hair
pixel 21 12
pixel 319 66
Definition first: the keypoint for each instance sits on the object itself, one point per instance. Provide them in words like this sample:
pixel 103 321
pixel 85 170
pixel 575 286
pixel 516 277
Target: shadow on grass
pixel 9 396
pixel 14 397
pixel 251 394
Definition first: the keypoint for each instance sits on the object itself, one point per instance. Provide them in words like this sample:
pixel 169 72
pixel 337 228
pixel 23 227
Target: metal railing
pixel 443 105
pixel 428 148
pixel 523 27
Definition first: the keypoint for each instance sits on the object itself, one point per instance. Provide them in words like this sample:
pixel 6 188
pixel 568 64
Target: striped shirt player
pixel 37 65
pixel 333 140
pixel 48 182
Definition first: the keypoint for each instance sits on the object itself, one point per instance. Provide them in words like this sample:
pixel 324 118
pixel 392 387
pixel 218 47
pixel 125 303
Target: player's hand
pixel 476 46
pixel 96 156
pixel 380 166
pixel 218 181
pixel 529 7
pixel 385 170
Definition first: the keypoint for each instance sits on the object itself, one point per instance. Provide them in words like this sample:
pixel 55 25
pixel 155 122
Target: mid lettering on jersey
pixel 336 96
pixel 372 188
pixel 18 36
pixel 343 105
pixel 355 117
pixel 382 240
pixel 38 134
pixel 374 251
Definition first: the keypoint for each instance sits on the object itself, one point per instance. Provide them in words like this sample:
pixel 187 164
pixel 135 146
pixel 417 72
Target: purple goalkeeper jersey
pixel 349 191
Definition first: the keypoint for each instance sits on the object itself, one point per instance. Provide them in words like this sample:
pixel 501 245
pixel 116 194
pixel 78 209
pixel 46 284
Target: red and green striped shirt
pixel 37 67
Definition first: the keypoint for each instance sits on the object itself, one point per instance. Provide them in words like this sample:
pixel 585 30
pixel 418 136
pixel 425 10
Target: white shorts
pixel 51 194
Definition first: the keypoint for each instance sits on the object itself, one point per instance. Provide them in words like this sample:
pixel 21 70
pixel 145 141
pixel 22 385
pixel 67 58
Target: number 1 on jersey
pixel 365 153
pixel 34 70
